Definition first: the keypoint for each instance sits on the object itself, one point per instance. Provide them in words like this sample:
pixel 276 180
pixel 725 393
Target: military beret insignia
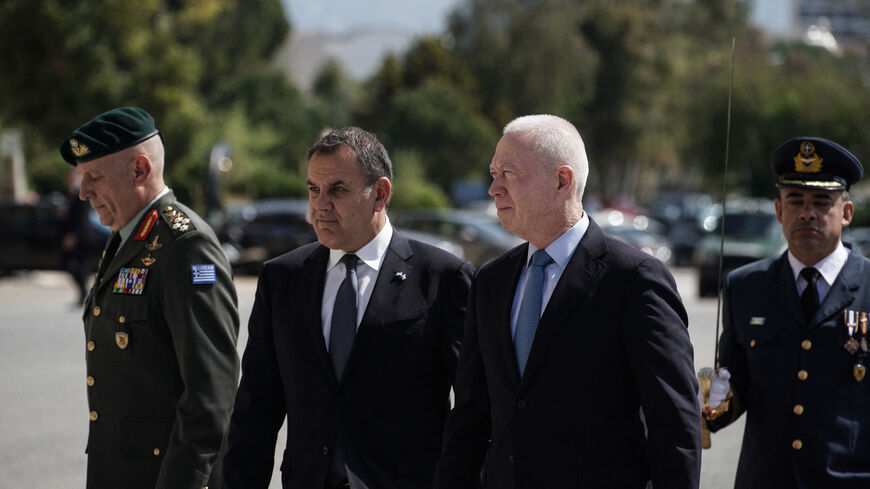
pixel 78 149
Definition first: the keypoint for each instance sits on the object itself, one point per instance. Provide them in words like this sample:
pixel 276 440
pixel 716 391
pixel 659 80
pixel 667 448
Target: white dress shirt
pixel 829 267
pixel 560 251
pixel 371 257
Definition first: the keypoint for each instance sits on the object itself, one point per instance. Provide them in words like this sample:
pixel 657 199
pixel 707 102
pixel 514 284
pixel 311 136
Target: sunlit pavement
pixel 43 409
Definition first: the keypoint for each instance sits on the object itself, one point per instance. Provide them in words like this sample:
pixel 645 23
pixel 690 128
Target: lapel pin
pixel 401 276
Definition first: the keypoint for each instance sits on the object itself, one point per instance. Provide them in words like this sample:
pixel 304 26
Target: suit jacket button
pixel 511 460
pixel 521 404
pixel 324 449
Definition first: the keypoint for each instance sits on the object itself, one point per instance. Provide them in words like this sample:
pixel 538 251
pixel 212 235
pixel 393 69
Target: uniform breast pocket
pixel 133 333
pixel 760 344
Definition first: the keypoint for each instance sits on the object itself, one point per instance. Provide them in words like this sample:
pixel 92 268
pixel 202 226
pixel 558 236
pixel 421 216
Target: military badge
pixel 78 149
pixel 177 220
pixel 122 339
pixel 807 161
pixel 203 274
pixel 859 371
pixel 130 281
pixel 148 260
pixel 146 226
pixel 756 321
pixel 154 245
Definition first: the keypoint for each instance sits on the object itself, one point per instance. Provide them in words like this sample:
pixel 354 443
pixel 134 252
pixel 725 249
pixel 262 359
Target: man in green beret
pixel 161 321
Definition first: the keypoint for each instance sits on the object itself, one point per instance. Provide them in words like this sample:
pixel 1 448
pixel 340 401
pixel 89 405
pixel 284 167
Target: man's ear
pixel 383 189
pixel 565 175
pixel 777 204
pixel 141 169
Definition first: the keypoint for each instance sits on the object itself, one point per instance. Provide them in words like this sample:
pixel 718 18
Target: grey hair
pixel 558 141
pixel 370 153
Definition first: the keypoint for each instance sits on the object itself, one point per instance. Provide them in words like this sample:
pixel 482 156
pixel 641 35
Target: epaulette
pixel 176 219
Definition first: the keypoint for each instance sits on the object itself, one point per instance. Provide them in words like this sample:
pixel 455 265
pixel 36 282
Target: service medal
pixel 859 370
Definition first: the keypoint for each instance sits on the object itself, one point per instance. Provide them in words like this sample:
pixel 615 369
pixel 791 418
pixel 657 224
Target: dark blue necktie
pixel 810 297
pixel 341 336
pixel 343 329
pixel 530 309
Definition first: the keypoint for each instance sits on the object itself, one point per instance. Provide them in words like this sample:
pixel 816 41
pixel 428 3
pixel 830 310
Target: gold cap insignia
pixel 122 340
pixel 78 149
pixel 807 161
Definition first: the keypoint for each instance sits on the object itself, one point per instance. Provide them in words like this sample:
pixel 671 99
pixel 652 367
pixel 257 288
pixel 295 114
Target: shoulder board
pixel 176 219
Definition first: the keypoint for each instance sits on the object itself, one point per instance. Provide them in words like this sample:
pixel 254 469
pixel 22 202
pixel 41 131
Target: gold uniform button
pixel 91 346
pixel 803 375
pixel 752 343
pixel 797 444
pixel 122 319
pixel 94 415
pixel 798 409
pixel 806 344
pixel 97 311
pixel 156 452
pixel 90 381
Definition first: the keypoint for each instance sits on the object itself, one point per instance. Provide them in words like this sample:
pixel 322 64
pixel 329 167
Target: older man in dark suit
pixel 576 368
pixel 353 339
pixel 794 346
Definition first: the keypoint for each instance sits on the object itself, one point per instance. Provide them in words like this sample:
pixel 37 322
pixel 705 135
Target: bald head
pixel 557 142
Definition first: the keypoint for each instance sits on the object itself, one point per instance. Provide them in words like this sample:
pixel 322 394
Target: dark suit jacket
pixel 389 408
pixel 162 365
pixel 612 340
pixel 764 357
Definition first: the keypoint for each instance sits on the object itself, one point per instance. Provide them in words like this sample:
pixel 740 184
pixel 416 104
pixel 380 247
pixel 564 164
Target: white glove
pixel 719 387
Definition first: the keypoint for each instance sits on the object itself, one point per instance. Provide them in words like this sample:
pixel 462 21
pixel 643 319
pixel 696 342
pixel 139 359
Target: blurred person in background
pixel 794 345
pixel 576 367
pixel 161 320
pixel 78 236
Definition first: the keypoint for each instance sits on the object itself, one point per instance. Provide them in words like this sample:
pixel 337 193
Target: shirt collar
pixel 829 267
pixel 563 247
pixel 128 228
pixel 372 254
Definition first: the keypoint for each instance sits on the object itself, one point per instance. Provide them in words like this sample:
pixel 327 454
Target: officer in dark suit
pixel 161 321
pixel 353 340
pixel 576 367
pixel 794 342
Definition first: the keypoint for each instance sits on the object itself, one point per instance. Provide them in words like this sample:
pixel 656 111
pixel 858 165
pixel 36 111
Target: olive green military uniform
pixel 161 325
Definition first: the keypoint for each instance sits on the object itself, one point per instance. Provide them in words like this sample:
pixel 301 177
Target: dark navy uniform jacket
pixel 161 357
pixel 807 417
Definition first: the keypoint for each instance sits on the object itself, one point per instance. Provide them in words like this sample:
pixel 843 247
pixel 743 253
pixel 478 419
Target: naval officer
pixel 161 320
pixel 794 344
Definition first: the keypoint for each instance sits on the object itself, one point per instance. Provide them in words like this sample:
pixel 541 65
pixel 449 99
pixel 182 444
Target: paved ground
pixel 43 410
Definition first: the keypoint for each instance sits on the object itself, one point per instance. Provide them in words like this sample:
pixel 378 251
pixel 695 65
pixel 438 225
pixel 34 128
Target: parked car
pixel 640 231
pixel 254 233
pixel 752 232
pixel 683 216
pixel 481 236
pixel 30 235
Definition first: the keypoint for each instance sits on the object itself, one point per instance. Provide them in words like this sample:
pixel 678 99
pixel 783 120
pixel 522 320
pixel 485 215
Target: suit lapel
pixel 581 274
pixel 314 275
pixel 842 292
pixel 785 292
pixel 386 297
pixel 501 297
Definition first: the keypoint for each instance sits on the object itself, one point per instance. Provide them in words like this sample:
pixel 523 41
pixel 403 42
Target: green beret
pixel 108 133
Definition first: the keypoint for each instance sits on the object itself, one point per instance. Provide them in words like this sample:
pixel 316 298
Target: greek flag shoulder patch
pixel 203 274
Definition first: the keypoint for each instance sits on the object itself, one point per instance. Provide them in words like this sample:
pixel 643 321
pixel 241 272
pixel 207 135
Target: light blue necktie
pixel 530 309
